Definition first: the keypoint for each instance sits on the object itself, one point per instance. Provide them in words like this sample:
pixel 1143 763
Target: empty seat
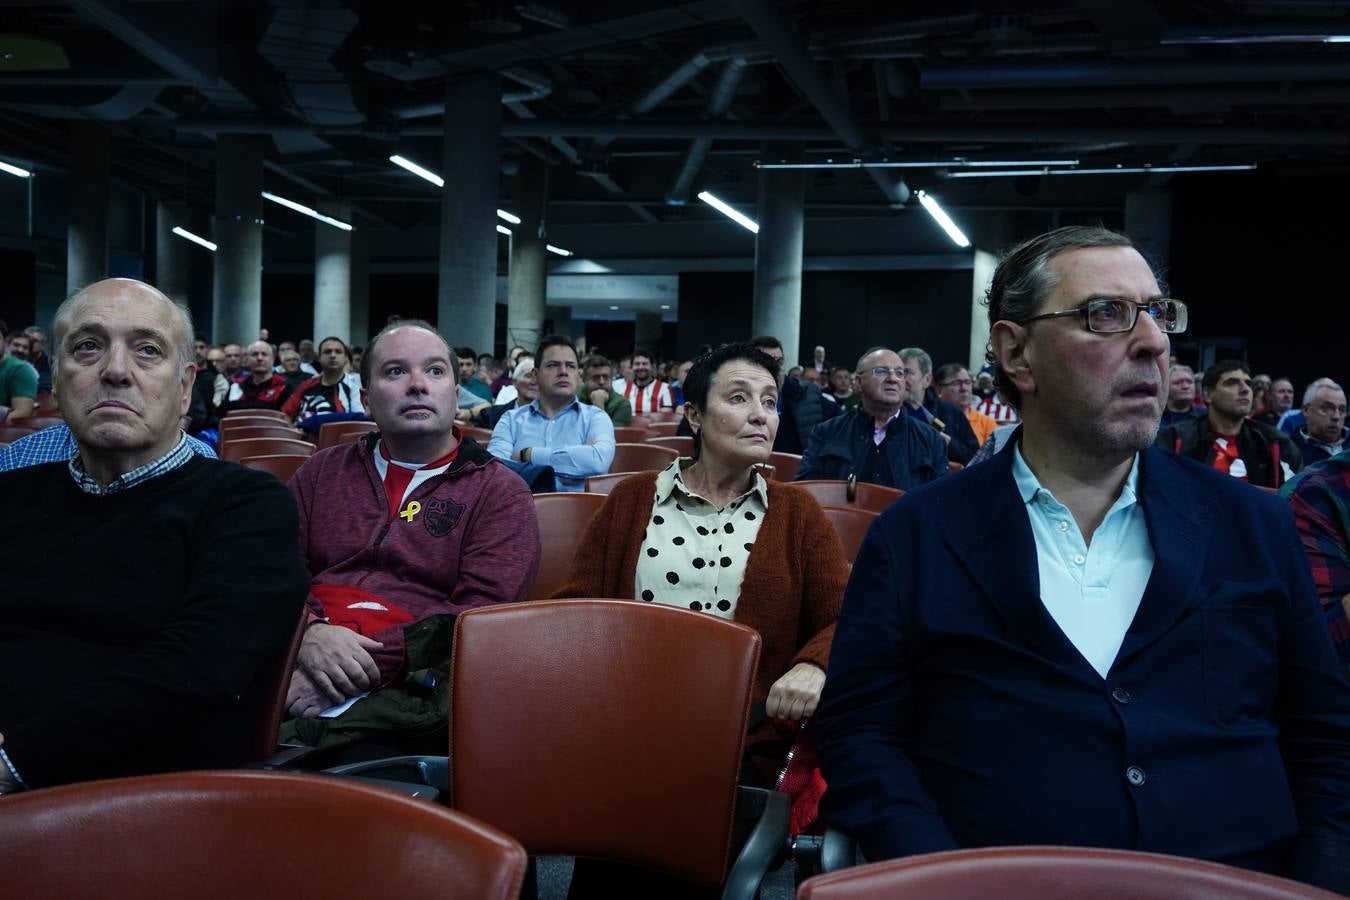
pixel 481 435
pixel 681 444
pixel 257 431
pixel 331 432
pixel 1052 873
pixel 872 497
pixel 785 465
pixel 236 450
pixel 643 457
pixel 247 834
pixel 264 413
pixel 229 425
pixel 562 522
pixel 851 524
pixel 603 484
pixel 876 497
pixel 664 428
pixel 629 434
pixel 283 466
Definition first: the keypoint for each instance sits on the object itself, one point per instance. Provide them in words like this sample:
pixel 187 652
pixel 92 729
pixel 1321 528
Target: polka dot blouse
pixel 693 554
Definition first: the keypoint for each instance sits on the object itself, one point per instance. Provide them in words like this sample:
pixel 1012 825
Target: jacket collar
pixel 471 453
pixel 999 552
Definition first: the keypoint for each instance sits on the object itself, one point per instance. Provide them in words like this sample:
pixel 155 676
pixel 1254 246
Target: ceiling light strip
pixel 731 213
pixel 940 216
pixel 184 233
pixel 312 213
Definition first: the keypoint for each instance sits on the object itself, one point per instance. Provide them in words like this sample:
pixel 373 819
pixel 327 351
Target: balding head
pixel 137 292
pixel 259 359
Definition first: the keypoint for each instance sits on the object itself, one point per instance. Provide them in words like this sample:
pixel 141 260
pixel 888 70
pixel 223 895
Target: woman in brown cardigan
pixel 710 534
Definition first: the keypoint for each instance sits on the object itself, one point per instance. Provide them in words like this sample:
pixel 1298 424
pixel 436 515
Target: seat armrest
pixel 769 811
pixel 432 771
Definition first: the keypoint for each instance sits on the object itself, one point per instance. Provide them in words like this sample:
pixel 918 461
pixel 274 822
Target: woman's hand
pixel 795 695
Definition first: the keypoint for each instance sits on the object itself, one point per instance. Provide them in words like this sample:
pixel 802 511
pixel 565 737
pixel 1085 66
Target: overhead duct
pixel 796 60
pixel 130 101
pixel 1241 70
pixel 300 41
pixel 537 87
pixel 719 101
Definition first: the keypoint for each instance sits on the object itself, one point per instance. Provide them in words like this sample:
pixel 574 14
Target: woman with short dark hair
pixel 710 534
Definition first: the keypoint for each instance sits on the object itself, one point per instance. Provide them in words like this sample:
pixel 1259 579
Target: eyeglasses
pixel 956 382
pixel 880 373
pixel 1113 315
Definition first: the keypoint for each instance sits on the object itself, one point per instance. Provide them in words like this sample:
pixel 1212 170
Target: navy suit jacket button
pixel 1135 776
pixel 1120 695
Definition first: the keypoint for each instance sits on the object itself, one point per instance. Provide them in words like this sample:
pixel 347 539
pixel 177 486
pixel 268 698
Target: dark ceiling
pixel 638 105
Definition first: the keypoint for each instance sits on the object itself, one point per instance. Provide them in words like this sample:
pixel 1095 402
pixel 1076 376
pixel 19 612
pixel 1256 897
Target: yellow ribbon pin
pixel 412 509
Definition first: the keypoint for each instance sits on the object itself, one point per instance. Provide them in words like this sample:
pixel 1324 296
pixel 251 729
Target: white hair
pixel 1310 395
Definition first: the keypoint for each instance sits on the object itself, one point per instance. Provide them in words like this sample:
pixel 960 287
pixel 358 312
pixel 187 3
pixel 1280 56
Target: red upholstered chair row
pixel 247 834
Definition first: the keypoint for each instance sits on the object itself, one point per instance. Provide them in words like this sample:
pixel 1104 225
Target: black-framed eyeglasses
pixel 1113 315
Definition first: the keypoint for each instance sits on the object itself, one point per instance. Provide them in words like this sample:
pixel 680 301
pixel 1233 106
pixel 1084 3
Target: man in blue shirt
pixel 57 444
pixel 557 430
pixel 1088 640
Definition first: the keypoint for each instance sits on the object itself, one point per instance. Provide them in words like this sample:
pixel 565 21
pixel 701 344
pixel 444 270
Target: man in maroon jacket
pixel 413 521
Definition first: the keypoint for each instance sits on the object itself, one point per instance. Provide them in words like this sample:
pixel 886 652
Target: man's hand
pixel 303 699
pixel 338 661
pixel 795 695
pixel 599 397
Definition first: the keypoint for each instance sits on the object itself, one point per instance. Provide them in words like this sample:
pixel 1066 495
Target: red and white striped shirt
pixel 997 410
pixel 656 395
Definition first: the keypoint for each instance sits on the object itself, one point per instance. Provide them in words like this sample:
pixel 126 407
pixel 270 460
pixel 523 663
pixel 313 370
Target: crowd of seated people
pixel 1078 626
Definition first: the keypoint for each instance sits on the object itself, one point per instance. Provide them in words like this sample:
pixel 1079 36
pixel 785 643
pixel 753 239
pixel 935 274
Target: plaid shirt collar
pixel 176 457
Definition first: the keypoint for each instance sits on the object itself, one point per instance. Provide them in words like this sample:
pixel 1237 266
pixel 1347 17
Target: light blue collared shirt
pixel 1092 592
pixel 578 442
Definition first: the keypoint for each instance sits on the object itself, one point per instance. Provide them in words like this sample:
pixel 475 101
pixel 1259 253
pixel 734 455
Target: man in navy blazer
pixel 1085 640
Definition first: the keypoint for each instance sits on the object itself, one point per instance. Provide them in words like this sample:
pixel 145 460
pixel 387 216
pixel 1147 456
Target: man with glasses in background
pixel 1088 640
pixel 876 443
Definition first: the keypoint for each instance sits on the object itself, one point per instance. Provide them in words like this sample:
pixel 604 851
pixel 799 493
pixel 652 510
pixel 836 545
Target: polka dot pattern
pixel 684 561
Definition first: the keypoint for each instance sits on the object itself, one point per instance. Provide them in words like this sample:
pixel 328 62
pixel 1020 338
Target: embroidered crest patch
pixel 440 516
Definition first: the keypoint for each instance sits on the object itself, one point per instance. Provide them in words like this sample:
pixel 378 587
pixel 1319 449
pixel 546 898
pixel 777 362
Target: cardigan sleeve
pixel 604 552
pixel 820 555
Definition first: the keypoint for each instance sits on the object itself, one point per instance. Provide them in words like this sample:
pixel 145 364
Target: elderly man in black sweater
pixel 145 642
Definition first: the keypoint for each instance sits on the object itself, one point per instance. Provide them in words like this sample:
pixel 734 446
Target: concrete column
pixel 88 190
pixel 647 331
pixel 1148 222
pixel 359 327
pixel 991 237
pixel 171 251
pixel 777 308
pixel 465 308
pixel 237 281
pixel 528 287
pixel 333 274
pixel 564 324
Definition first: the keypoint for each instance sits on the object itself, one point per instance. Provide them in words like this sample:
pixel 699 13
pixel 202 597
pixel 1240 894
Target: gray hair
pixel 182 319
pixel 523 368
pixel 1179 367
pixel 925 361
pixel 1023 280
pixel 1310 395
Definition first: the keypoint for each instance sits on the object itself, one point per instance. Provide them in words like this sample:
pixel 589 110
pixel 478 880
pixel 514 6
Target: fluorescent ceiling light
pixel 1114 170
pixel 423 172
pixel 417 170
pixel 558 250
pixel 502 229
pixel 15 170
pixel 956 163
pixel 301 208
pixel 940 216
pixel 665 306
pixel 184 233
pixel 733 214
pixel 613 307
